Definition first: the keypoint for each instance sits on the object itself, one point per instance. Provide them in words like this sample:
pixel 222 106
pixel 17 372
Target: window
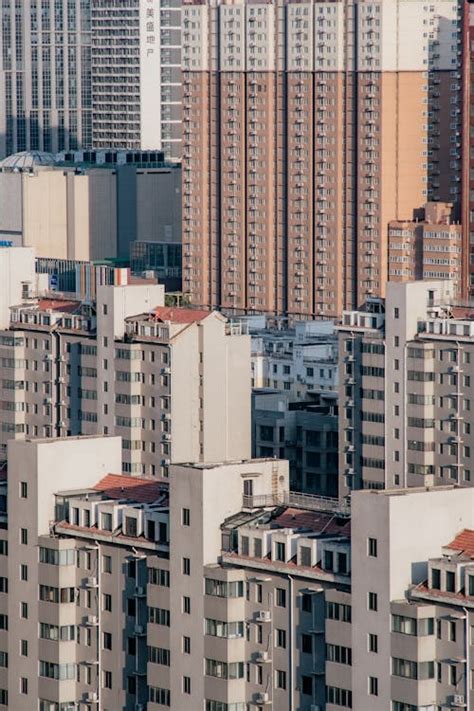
pixel 159 616
pixel 280 638
pixel 106 564
pixel 396 312
pixel 221 588
pixel 23 572
pixel 281 597
pixel 280 682
pixel 107 602
pixel 107 679
pixel 159 655
pixel 373 686
pixel 436 579
pixel 339 654
pixel 372 547
pixel 373 643
pixel 338 696
pixel 412 670
pixel 186 605
pixel 453 675
pixel 107 640
pixel 450 581
pixel 307 685
pixel 106 521
pixel 3 622
pixel 24 647
pixel 4 660
pixel 372 601
pixel 452 631
pixel 186 566
pixel 338 611
pixel 306 644
pixel 23 685
pixel 280 551
pixel 23 611
pixel 186 645
pixel 186 684
pixel 185 517
pixel 158 576
pixel 23 490
pixel 159 696
pixel 4 585
pixel 307 602
pixel 24 536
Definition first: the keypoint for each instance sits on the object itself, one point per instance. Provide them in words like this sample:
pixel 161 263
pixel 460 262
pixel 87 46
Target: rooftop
pixel 137 489
pixel 27 160
pixel 315 521
pixel 61 305
pixel 463 543
pixel 179 315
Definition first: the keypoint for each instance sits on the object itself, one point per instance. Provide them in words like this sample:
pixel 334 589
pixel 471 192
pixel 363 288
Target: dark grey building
pixel 305 433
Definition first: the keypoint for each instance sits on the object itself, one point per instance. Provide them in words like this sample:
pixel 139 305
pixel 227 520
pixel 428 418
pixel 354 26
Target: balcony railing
pixel 298 500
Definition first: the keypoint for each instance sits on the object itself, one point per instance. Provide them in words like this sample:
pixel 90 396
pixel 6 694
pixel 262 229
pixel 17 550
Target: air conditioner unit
pixel 91 697
pixel 166 370
pixel 263 657
pixel 458 700
pixel 262 698
pixel 92 620
pixel 263 616
pixel 91 582
pixel 140 590
pixel 139 629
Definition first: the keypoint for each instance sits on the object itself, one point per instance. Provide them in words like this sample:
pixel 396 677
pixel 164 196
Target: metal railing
pixel 298 500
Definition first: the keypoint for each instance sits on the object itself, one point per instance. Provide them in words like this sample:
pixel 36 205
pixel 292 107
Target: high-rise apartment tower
pixel 308 126
pixel 90 73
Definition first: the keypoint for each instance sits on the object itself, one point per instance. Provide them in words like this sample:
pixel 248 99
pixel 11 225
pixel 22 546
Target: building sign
pixel 150 78
pixel 6 243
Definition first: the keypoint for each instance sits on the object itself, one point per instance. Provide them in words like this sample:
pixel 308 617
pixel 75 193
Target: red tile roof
pixel 178 315
pixel 464 542
pixel 138 489
pixel 58 305
pixel 316 521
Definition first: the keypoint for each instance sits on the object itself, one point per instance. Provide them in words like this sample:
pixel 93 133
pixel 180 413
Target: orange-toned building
pixel 429 247
pixel 308 127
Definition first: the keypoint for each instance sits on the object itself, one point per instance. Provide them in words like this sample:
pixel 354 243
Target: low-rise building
pixel 89 205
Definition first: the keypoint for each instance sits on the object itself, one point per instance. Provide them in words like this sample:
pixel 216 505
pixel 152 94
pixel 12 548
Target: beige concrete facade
pixel 406 376
pixel 227 591
pixel 79 211
pixel 299 150
pixel 175 383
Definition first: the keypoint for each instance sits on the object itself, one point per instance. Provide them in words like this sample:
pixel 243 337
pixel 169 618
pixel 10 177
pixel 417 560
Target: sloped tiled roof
pixel 179 315
pixel 317 521
pixel 464 542
pixel 137 489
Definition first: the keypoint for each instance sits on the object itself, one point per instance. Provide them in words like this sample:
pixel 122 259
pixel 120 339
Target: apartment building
pixel 227 591
pixel 308 127
pixel 298 358
pixel 429 247
pixel 135 77
pixel 405 393
pixel 305 432
pixel 90 73
pixel 175 383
